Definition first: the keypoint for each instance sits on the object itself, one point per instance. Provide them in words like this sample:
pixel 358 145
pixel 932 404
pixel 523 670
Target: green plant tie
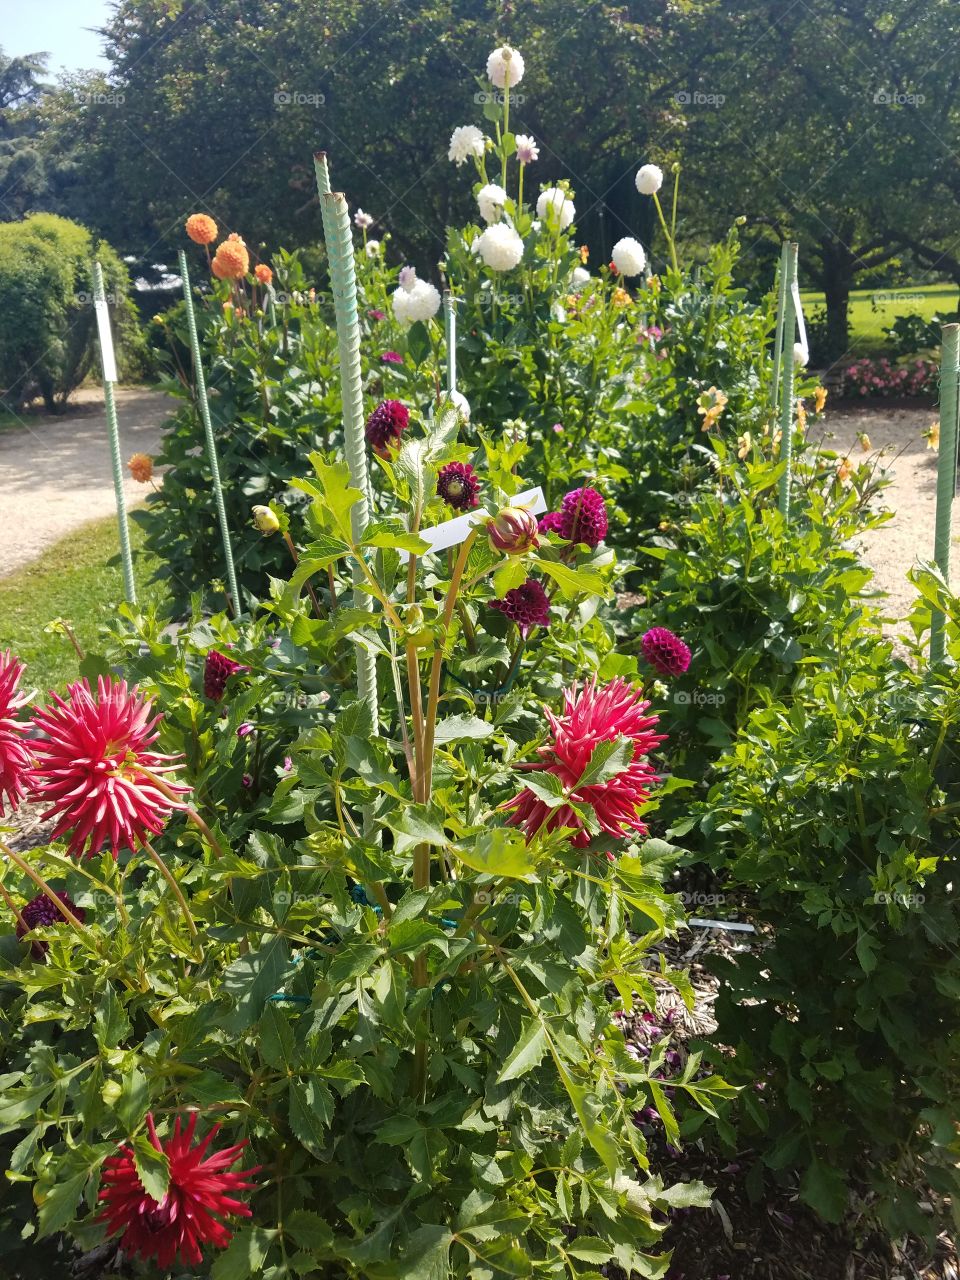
pixel 113 431
pixel 208 434
pixel 788 377
pixel 450 329
pixel 778 331
pixel 343 283
pixel 946 474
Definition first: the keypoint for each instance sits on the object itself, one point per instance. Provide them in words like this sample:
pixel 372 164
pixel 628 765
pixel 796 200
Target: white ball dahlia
pixel 554 206
pixel 416 300
pixel 491 200
pixel 580 277
pixel 466 141
pixel 505 67
pixel 799 354
pixel 527 149
pixel 407 277
pixel 500 247
pixel 628 256
pixel 649 179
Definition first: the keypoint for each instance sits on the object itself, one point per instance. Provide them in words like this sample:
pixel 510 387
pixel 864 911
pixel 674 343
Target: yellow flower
pixel 745 444
pixel 801 416
pixel 584 253
pixel 265 520
pixel 844 471
pixel 621 298
pixel 933 436
pixel 664 524
pixel 819 399
pixel 777 437
pixel 864 440
pixel 711 404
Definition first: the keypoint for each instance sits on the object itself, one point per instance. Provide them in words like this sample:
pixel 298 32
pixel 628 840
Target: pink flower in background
pixel 217 670
pixel 527 605
pixel 90 760
pixel 391 357
pixel 375 314
pixel 14 752
pixel 665 651
pixel 201 1193
pixel 591 716
pixel 40 912
pixel 386 425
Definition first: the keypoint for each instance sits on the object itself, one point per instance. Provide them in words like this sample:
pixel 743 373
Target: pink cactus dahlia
pixel 14 753
pixel 89 767
pixel 592 716
pixel 199 1196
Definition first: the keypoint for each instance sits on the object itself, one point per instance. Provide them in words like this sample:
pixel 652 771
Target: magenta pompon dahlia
pixel 593 715
pixel 527 605
pixel 583 517
pixel 665 651
pixel 386 425
pixel 14 752
pixel 39 912
pixel 459 486
pixel 90 760
pixel 200 1194
pixel 217 670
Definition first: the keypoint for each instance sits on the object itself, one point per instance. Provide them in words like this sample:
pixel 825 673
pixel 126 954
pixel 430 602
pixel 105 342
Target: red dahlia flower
pixel 190 1214
pixel 14 753
pixel 217 670
pixel 386 425
pixel 90 763
pixel 41 911
pixel 665 651
pixel 458 486
pixel 592 716
pixel 582 518
pixel 527 605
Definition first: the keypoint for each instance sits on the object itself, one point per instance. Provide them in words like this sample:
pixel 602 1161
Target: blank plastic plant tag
pixel 107 358
pixel 734 925
pixel 801 327
pixel 451 532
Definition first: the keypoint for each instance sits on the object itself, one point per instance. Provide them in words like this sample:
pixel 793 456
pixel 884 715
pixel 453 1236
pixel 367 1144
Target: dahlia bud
pixel 265 520
pixel 513 531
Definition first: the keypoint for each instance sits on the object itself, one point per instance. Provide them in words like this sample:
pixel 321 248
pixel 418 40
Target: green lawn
pixel 872 310
pixel 78 579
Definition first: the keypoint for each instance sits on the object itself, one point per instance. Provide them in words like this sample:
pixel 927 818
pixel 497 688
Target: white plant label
pixel 801 327
pixel 107 357
pixel 451 532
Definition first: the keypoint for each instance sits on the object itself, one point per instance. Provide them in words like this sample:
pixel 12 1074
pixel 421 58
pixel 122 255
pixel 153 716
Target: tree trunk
pixel 839 266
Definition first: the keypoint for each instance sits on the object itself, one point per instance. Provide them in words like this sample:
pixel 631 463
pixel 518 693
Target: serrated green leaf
pixel 526 1053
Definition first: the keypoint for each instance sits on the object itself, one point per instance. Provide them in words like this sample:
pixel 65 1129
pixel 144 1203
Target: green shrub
pixel 48 342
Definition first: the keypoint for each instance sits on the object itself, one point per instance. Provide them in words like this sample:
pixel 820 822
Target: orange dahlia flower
pixel 263 273
pixel 231 261
pixel 201 228
pixel 140 467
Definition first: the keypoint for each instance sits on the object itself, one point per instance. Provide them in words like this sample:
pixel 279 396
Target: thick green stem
pixel 24 866
pixel 175 889
pixel 671 244
pixel 211 443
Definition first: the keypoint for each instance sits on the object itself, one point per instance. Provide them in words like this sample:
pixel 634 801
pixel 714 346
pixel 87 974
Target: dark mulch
pixel 776 1237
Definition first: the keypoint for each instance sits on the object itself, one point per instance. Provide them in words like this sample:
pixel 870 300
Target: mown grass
pixel 78 579
pixel 874 310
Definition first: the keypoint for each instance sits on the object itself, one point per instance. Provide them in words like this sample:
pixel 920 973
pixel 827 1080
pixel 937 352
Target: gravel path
pixel 55 472
pixel 897 545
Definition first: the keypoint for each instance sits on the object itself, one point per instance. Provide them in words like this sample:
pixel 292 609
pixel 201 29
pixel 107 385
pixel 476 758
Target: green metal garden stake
pixel 211 442
pixel 450 327
pixel 778 332
pixel 787 378
pixel 108 363
pixel 343 281
pixel 946 474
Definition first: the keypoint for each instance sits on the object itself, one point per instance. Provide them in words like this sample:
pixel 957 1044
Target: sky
pixel 57 27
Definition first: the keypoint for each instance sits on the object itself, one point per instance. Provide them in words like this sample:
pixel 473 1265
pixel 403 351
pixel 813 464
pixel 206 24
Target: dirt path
pixel 896 546
pixel 55 472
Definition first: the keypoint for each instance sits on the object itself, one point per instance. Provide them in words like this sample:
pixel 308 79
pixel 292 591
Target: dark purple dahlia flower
pixel 665 652
pixel 458 486
pixel 526 605
pixel 385 426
